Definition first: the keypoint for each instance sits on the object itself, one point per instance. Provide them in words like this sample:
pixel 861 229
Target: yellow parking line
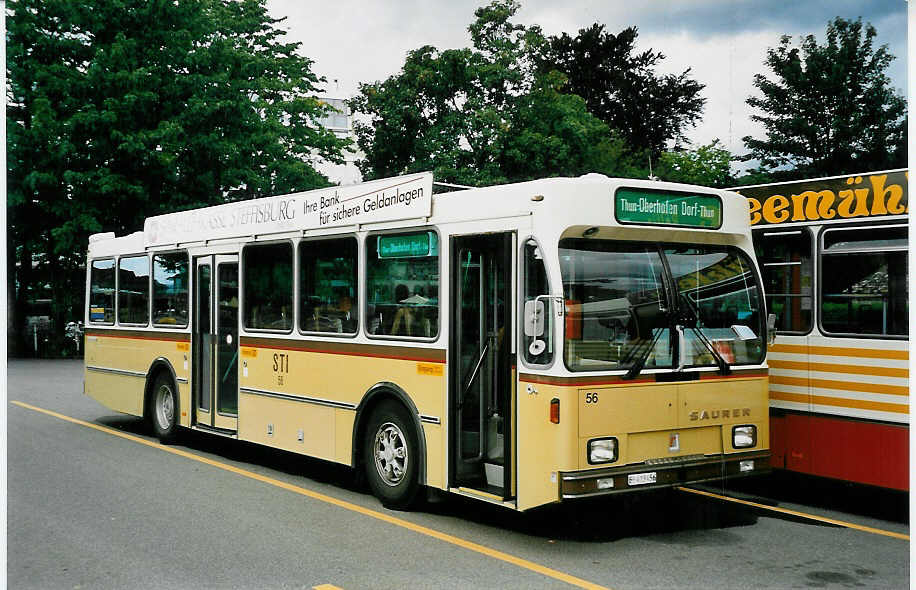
pixel 469 545
pixel 325 587
pixel 842 523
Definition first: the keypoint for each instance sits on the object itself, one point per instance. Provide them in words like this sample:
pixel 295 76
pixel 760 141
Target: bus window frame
pixel 243 294
pixel 815 275
pixel 360 281
pixel 114 303
pixel 558 344
pixel 820 269
pixel 364 283
pixel 149 292
pixel 152 272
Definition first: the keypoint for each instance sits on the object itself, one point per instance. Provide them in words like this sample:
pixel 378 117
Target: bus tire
pixel 163 408
pixel 391 456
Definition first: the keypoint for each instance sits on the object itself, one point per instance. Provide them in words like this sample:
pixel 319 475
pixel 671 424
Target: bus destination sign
pixel 407 245
pixel 652 207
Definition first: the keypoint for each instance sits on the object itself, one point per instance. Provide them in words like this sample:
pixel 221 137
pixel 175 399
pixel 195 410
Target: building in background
pixel 341 124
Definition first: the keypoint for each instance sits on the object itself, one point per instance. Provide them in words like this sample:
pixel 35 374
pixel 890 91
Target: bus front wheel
pixel 163 409
pixel 391 456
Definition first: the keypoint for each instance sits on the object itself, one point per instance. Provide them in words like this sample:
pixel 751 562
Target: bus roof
pixel 553 204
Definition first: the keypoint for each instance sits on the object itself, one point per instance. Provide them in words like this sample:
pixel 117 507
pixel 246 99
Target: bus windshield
pixel 628 304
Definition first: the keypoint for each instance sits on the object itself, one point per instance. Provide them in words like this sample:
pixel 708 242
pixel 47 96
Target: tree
pixel 122 109
pixel 480 115
pixel 829 109
pixel 621 88
pixel 707 165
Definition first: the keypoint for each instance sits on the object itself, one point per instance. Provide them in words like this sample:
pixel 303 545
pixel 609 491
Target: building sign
pixel 390 199
pixel 651 207
pixel 842 197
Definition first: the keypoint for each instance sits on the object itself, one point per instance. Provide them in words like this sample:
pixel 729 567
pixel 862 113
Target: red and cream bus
pixel 519 344
pixel 833 254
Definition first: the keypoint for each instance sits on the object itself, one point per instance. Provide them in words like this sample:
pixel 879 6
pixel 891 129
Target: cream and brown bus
pixel 519 344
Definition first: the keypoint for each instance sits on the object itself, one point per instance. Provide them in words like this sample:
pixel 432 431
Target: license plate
pixel 637 479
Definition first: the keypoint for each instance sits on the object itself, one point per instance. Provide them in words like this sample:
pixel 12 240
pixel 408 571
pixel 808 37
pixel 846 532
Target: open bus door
pixel 481 380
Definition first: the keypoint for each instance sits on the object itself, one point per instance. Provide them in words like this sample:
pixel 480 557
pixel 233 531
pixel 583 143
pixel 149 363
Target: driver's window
pixel 537 332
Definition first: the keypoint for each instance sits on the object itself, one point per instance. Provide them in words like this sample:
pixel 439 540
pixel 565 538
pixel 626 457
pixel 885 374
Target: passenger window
pixel 787 272
pixel 863 282
pixel 402 288
pixel 102 292
pixel 170 289
pixel 268 286
pixel 133 290
pixel 328 286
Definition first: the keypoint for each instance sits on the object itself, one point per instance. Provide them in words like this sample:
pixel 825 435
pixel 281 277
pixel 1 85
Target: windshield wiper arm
pixel 724 367
pixel 641 361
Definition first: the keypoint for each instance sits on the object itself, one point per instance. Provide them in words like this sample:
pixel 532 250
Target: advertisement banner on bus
pixel 875 194
pixel 389 199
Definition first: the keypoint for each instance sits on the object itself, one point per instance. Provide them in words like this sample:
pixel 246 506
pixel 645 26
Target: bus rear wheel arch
pixel 390 455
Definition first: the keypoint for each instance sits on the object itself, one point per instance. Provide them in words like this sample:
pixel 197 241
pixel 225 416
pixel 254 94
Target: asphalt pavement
pixel 89 509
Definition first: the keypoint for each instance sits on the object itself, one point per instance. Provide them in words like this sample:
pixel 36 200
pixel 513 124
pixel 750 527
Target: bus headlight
pixel 744 436
pixel 602 450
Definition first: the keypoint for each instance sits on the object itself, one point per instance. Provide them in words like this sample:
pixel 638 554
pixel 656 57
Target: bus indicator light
pixel 555 411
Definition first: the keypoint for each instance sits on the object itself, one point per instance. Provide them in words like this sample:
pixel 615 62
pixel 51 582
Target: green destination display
pixel 408 245
pixel 650 207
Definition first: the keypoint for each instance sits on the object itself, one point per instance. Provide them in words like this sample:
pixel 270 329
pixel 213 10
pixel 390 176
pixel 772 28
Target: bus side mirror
pixel 771 328
pixel 534 318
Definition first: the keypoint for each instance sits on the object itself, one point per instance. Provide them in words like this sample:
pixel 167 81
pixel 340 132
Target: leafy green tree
pixel 707 165
pixel 121 109
pixel 481 115
pixel 621 87
pixel 829 109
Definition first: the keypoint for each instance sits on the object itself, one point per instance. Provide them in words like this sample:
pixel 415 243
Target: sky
pixel 723 42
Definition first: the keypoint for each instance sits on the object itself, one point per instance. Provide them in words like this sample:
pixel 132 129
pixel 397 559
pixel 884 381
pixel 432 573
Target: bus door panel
pixel 216 342
pixel 481 384
pixel 203 341
pixel 227 342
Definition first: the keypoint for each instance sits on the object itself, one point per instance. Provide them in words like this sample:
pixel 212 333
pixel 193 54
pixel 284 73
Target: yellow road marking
pixel 325 587
pixel 469 545
pixel 848 525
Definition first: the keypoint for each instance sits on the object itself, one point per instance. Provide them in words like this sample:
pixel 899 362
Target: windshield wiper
pixel 724 367
pixel 641 361
pixel 689 318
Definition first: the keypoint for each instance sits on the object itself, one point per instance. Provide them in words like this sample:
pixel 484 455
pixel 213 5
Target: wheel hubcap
pixel 165 407
pixel 390 450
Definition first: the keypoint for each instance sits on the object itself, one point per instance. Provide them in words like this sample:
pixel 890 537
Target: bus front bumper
pixel 662 473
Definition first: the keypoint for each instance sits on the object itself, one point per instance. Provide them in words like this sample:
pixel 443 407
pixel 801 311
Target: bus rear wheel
pixel 163 408
pixel 391 456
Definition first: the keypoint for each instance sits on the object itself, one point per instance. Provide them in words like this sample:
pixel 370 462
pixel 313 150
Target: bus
pixel 833 253
pixel 522 344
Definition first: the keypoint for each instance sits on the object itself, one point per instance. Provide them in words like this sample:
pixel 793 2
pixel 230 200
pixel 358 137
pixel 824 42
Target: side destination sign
pixel 390 199
pixel 652 207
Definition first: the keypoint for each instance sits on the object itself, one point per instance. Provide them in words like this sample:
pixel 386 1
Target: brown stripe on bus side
pixel 835 368
pixel 871 353
pixel 619 380
pixel 840 402
pixel 139 334
pixel 841 385
pixel 407 353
